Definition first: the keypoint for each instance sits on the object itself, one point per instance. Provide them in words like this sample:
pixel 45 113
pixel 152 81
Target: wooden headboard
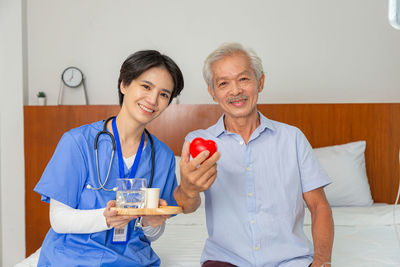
pixel 323 125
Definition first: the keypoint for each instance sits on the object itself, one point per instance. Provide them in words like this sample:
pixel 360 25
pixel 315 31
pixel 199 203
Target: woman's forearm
pixel 67 220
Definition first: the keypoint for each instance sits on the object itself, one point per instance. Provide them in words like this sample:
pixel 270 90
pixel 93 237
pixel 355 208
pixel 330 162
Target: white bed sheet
pixel 364 236
pixel 183 240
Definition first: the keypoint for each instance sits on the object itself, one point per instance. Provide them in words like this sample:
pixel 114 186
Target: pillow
pixel 345 165
pixel 178 177
pixel 178 169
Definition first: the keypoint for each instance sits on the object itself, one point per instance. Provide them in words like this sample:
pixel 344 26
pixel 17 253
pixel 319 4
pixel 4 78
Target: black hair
pixel 142 61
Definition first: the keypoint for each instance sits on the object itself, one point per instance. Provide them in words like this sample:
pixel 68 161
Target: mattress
pixel 364 236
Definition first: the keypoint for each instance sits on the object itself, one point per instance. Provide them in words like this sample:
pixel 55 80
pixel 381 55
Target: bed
pixel 357 139
pixel 362 238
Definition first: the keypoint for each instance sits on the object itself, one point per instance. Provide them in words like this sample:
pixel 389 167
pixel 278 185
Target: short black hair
pixel 144 60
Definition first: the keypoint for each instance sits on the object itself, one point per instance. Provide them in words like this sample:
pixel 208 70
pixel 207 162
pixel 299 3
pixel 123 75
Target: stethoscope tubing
pixel 96 140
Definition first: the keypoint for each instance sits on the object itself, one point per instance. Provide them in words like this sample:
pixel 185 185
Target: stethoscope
pixel 96 140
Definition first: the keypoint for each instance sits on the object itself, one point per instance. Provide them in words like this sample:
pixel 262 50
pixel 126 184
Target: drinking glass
pixel 130 193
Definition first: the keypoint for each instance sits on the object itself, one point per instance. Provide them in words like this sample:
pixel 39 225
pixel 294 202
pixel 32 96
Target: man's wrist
pixel 189 194
pixel 322 264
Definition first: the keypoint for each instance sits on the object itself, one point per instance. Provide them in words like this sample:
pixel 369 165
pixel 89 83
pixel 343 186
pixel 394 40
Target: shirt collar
pixel 265 123
pixel 219 128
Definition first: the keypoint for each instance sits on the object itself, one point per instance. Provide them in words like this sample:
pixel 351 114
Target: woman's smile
pixel 146 109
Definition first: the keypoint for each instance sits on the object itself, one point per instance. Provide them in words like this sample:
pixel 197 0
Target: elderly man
pixel 266 170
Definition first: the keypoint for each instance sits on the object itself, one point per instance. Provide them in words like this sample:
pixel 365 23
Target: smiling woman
pixel 147 84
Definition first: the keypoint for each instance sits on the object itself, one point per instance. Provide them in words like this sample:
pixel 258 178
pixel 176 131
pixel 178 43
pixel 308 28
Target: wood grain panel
pixel 323 125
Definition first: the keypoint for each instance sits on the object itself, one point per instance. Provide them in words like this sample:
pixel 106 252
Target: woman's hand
pixel 112 219
pixel 155 220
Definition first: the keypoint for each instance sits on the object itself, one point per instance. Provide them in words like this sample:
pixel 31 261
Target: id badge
pixel 120 235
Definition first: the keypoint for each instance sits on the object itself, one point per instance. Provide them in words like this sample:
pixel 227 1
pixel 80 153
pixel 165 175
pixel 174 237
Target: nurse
pixel 84 230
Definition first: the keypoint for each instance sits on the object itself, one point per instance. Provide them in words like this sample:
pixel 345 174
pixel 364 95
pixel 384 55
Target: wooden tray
pixel 162 210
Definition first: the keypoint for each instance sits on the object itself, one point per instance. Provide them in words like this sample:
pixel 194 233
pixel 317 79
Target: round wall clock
pixel 72 77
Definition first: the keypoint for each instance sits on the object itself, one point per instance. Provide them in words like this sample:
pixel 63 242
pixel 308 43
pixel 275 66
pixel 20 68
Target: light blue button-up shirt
pixel 255 208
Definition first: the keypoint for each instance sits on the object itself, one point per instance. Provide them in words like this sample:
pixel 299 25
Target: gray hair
pixel 228 49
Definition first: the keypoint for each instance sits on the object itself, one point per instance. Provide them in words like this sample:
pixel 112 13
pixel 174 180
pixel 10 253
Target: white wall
pixel 313 50
pixel 12 182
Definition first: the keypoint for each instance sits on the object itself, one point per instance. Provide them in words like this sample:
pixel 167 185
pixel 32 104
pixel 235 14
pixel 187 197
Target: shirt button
pixel 252 221
pixel 256 248
pixel 248 169
pixel 250 194
pixel 241 142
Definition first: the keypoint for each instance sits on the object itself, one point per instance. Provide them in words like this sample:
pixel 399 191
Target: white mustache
pixel 237 98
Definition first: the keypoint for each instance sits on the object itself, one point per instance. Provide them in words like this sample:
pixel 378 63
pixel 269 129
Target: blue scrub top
pixel 65 179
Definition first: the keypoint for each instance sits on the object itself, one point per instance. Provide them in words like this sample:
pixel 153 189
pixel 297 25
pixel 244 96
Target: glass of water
pixel 130 193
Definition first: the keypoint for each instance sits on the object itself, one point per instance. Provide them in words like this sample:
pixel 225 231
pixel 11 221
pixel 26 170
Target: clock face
pixel 72 77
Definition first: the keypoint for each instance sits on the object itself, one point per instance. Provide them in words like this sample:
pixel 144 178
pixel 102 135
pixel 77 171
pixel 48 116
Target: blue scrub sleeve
pixel 65 174
pixel 311 172
pixel 170 185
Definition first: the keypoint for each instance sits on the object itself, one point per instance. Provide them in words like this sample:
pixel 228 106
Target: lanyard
pixel 119 152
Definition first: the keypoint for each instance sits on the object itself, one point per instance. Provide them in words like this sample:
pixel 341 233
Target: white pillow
pixel 178 169
pixel 345 165
pixel 178 177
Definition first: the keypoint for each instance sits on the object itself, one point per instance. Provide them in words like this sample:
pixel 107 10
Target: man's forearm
pixel 189 203
pixel 323 234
